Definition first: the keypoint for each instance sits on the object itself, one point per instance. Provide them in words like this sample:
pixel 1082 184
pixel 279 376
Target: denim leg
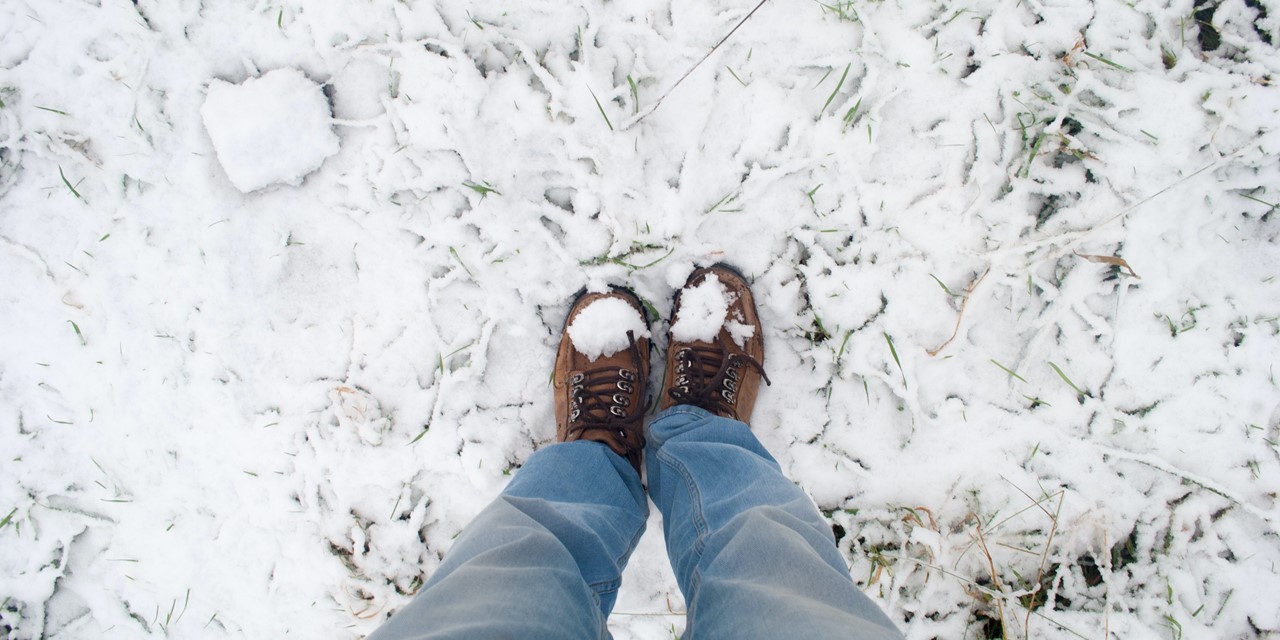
pixel 544 560
pixel 750 551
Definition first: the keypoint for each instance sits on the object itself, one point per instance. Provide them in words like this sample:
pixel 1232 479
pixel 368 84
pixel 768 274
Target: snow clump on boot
pixel 601 328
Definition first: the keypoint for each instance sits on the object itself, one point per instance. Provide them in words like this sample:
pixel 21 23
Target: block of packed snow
pixel 704 311
pixel 601 328
pixel 273 129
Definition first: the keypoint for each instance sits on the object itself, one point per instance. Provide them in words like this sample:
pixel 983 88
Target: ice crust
pixel 600 329
pixel 273 129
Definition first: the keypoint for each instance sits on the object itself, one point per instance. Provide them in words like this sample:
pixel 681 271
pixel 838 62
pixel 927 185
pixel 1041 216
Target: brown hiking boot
pixel 602 373
pixel 715 351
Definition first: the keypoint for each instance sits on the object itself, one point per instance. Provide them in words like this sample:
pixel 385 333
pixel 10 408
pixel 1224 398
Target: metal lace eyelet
pixel 574 415
pixel 732 372
pixel 623 385
pixel 682 380
pixel 621 400
pixel 727 395
pixel 575 389
pixel 626 374
pixel 617 411
pixel 730 384
pixel 577 378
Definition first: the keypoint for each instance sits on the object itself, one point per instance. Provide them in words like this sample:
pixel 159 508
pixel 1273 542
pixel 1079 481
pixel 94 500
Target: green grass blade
pixel 1269 204
pixel 944 287
pixel 640 267
pixel 894 352
pixel 822 79
pixel 75 326
pixel 1108 62
pixel 843 343
pixel 635 95
pixel 1035 148
pixel 483 188
pixel 601 108
pixel 839 85
pixel 1066 379
pixel 1009 371
pixel 454 252
pixel 852 114
pixel 1035 402
pixel 419 436
pixel 68 183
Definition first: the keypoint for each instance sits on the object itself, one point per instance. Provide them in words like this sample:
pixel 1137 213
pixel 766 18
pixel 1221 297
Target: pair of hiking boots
pixel 714 361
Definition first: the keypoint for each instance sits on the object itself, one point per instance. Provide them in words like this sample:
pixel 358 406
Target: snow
pixel 704 312
pixel 601 328
pixel 274 129
pixel 739 332
pixel 704 307
pixel 272 412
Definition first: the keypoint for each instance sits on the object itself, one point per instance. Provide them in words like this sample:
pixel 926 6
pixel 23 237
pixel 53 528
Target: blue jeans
pixel 751 553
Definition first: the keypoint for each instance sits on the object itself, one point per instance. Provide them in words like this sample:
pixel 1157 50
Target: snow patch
pixel 740 332
pixel 361 412
pixel 274 129
pixel 704 311
pixel 601 328
pixel 197 366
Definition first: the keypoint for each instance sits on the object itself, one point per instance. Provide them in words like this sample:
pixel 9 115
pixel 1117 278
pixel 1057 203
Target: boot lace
pixel 707 378
pixel 600 401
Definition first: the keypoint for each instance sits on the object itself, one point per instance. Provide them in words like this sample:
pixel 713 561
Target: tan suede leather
pixel 609 394
pixel 718 376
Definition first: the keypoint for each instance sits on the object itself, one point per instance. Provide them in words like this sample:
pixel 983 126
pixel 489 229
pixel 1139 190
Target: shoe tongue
pixel 722 343
pixel 616 443
pixel 708 363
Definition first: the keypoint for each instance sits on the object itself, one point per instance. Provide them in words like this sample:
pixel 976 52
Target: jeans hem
pixel 684 408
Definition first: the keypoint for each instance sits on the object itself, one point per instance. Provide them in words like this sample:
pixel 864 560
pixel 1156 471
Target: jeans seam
pixel 698 521
pixel 656 443
pixel 606 586
pixel 691 607
pixel 631 547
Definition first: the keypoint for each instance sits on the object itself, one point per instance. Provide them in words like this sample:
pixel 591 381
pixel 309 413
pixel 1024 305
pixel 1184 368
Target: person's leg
pixel 544 560
pixel 752 554
pixel 750 551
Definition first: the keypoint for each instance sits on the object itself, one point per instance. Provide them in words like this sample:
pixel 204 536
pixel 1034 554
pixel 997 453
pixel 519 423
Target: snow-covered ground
pixel 268 413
